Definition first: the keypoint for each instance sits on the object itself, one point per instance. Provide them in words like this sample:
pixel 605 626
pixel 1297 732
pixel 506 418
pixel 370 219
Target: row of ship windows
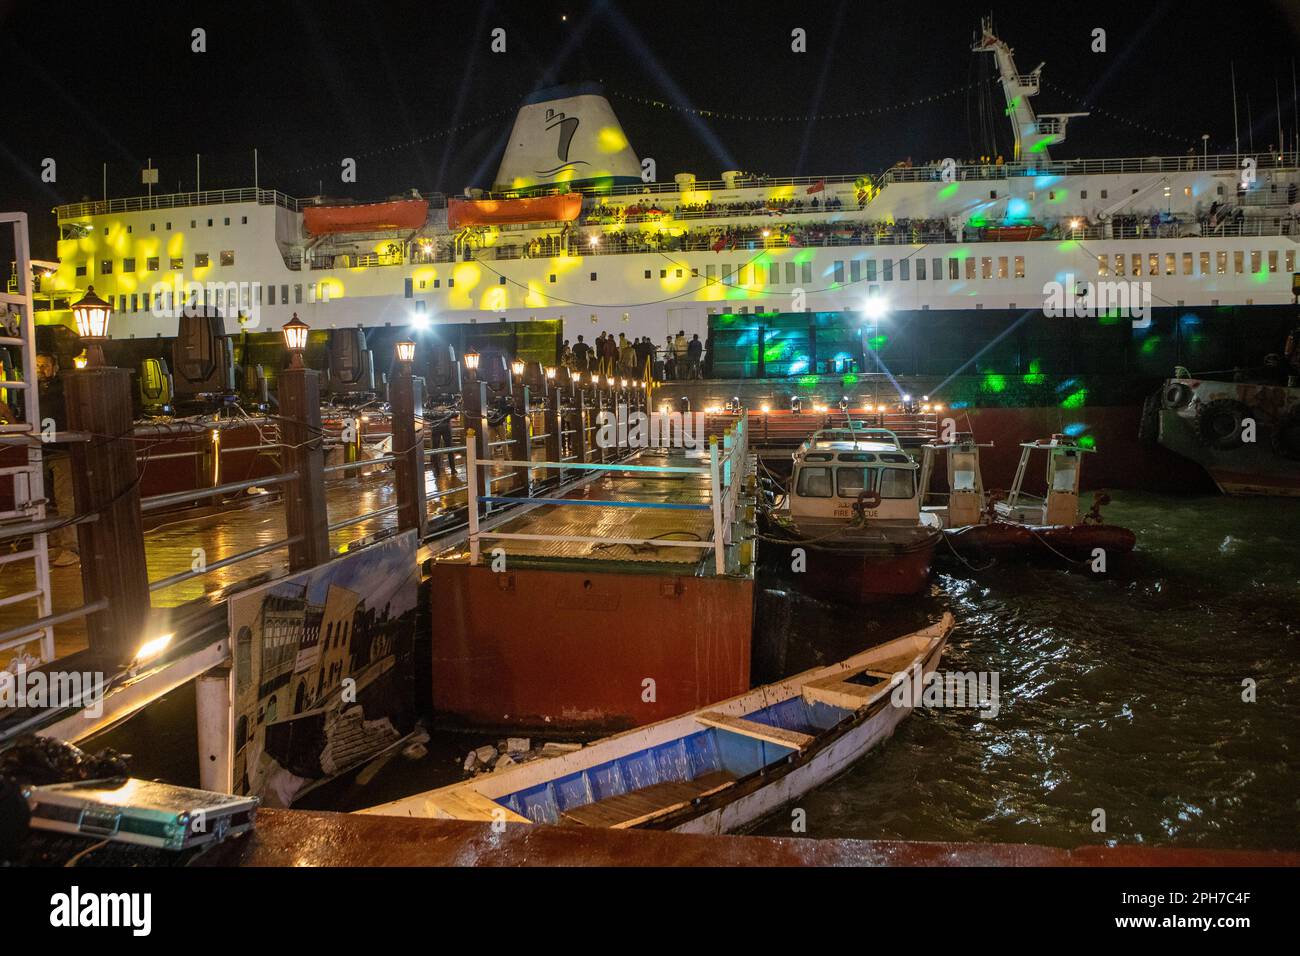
pixel 152 264
pixel 1152 260
pixel 194 224
pixel 233 297
pixel 1005 266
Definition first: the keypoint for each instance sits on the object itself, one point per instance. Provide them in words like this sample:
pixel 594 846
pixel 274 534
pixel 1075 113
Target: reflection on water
pixel 1123 694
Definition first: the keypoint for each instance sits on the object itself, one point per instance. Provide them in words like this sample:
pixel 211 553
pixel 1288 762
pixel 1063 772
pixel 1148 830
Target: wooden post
pixel 304 452
pixel 406 394
pixel 600 407
pixel 580 426
pixel 521 438
pixel 214 703
pixel 554 425
pixel 474 411
pixel 105 479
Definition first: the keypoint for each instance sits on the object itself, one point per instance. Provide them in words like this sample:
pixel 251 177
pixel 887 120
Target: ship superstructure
pixel 652 258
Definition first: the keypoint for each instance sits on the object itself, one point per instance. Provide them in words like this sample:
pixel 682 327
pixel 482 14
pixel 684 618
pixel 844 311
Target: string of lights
pixel 1108 114
pixel 804 117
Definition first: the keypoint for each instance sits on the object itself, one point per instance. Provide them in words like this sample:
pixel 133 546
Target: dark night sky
pixel 311 83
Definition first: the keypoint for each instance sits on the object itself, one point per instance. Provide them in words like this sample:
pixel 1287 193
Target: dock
pixel 301 838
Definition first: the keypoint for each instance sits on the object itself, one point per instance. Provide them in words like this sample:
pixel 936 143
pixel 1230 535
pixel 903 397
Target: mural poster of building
pixel 323 669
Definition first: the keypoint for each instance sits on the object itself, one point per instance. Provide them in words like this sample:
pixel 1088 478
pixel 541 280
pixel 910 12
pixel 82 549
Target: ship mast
pixel 1033 134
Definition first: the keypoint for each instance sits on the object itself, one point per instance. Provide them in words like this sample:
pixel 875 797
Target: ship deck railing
pixel 934 172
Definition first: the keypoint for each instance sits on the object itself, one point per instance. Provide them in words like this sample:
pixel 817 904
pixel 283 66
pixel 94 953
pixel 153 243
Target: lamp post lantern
pixel 295 340
pixel 92 315
pixel 405 351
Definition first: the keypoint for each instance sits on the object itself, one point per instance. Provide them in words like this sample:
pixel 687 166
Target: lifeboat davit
pixel 564 207
pixel 366 217
pixel 1014 233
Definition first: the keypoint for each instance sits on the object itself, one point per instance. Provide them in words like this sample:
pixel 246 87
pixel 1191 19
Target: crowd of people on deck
pixel 636 359
pixel 639 212
pixel 722 238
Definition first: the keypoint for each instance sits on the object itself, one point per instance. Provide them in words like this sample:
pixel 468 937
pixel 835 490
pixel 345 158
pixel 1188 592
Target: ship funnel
pixel 567 135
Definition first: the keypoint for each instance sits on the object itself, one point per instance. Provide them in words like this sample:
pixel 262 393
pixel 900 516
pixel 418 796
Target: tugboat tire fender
pixel 1218 423
pixel 1176 395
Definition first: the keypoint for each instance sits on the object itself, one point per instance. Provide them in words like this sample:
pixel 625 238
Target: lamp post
pixel 295 340
pixel 406 402
pixel 306 517
pixel 92 315
pixel 470 359
pixel 105 478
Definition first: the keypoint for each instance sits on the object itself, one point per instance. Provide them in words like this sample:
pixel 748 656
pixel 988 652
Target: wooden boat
pixel 366 217
pixel 713 770
pixel 561 207
pixel 854 507
pixel 980 524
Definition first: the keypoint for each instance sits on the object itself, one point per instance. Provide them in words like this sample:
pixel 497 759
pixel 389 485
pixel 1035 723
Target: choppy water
pixel 1123 693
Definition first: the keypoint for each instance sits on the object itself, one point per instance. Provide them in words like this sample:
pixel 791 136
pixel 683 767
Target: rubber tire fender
pixel 1218 423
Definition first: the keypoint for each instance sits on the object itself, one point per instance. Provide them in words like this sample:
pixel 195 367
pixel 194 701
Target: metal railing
pixel 210 197
pixel 724 470
pixel 1091 167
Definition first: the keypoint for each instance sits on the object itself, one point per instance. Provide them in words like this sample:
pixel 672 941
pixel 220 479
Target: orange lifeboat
pixel 366 217
pixel 1013 233
pixel 565 207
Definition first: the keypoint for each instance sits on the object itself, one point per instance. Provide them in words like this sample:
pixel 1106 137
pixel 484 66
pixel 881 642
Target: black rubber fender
pixel 1218 423
pixel 1176 395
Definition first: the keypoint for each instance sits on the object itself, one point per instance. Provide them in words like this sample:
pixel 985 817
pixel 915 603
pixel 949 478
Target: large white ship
pixel 1028 231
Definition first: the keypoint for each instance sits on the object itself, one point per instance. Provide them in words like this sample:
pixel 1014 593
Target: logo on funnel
pixel 568 125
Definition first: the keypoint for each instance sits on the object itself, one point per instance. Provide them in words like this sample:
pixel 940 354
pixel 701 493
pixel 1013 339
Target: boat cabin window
pixel 857 456
pixel 897 459
pixel 1064 476
pixel 890 482
pixel 849 482
pixel 963 472
pixel 818 456
pixel 814 483
pixel 897 483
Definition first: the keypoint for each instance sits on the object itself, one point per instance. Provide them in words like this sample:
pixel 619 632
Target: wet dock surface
pixel 306 838
pixel 239 526
pixel 693 522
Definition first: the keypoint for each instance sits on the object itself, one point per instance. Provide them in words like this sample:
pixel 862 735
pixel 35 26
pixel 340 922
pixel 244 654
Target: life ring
pixel 1177 394
pixel 1286 436
pixel 868 499
pixel 1218 423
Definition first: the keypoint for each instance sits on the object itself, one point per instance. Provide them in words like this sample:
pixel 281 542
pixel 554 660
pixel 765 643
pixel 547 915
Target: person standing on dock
pixel 581 354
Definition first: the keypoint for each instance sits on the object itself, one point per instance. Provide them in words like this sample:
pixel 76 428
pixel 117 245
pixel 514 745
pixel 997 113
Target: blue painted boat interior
pixel 708 751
